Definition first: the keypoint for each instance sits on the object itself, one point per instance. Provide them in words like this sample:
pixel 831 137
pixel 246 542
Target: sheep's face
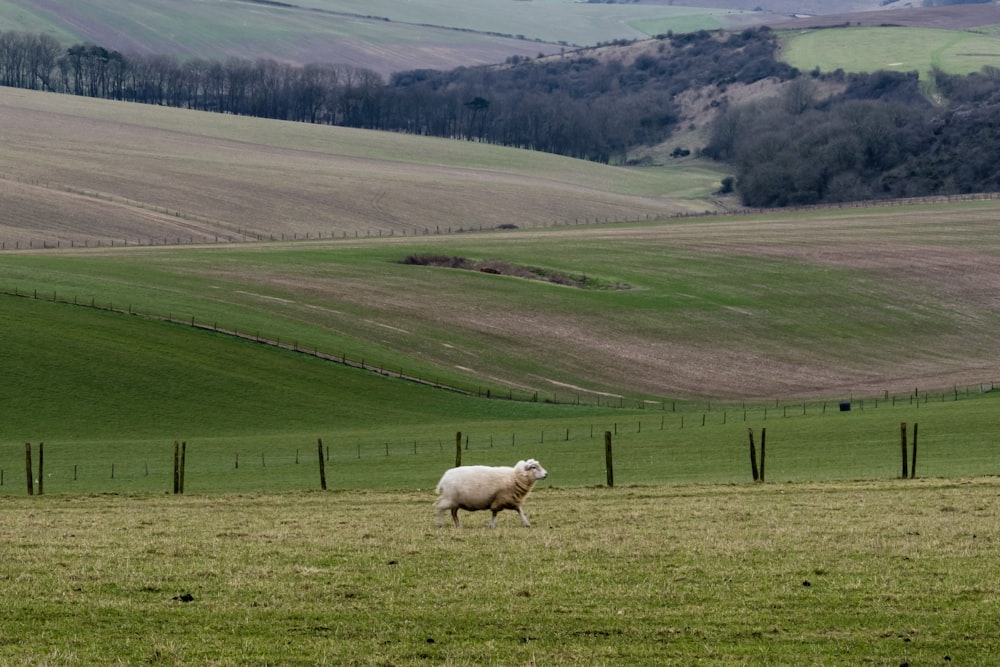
pixel 535 469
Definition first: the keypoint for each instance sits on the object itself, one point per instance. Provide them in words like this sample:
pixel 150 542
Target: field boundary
pixel 241 235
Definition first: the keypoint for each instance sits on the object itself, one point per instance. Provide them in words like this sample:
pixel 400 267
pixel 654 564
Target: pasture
pixel 891 48
pixel 885 573
pixel 383 36
pixel 830 304
pixel 694 330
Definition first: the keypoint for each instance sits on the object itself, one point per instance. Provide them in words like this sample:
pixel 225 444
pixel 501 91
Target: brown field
pixel 75 170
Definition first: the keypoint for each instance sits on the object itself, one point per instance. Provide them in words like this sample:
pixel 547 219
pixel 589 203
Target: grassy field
pixel 176 175
pixel 843 302
pixel 383 36
pixel 788 307
pixel 883 573
pixel 109 394
pixel 697 330
pixel 893 49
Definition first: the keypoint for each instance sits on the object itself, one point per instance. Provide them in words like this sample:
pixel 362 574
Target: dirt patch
pixel 500 267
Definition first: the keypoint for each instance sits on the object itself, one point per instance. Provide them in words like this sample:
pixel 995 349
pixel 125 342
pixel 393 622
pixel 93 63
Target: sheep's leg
pixel 493 521
pixel 524 518
pixel 454 517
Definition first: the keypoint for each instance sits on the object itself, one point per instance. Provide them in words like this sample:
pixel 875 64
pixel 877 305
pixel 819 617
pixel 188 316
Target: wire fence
pixel 668 449
pixel 231 234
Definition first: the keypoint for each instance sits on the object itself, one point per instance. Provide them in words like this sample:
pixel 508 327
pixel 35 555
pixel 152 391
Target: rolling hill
pixel 387 36
pixel 74 169
pixel 383 36
pixel 122 203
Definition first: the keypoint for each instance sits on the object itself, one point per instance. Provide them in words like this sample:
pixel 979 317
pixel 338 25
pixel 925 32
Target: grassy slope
pixel 894 49
pixel 104 389
pixel 384 36
pixel 832 304
pixel 181 175
pixel 704 318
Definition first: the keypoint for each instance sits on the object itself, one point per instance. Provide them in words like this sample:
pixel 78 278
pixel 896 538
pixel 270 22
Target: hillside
pixel 78 170
pixel 383 35
pixel 85 172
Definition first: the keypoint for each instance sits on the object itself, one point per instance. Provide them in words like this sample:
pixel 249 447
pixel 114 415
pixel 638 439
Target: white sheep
pixel 474 488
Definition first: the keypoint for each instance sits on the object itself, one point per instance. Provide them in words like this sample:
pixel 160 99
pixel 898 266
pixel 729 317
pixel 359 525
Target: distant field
pixel 384 36
pixel 824 304
pixel 104 396
pixel 177 174
pixel 786 304
pixel 894 49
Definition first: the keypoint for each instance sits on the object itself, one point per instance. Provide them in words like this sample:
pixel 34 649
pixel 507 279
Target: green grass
pixel 719 308
pixel 894 49
pixel 863 573
pixel 109 394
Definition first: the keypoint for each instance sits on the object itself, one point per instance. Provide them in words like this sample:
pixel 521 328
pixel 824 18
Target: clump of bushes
pixel 503 268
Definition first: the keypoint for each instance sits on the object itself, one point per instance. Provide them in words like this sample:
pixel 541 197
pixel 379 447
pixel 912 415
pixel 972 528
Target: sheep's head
pixel 532 468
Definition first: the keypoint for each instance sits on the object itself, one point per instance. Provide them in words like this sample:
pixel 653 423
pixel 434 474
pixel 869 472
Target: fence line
pixel 640 458
pixel 241 235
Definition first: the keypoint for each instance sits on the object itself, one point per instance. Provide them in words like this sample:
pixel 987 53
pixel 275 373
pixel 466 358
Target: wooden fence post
pixel 184 447
pixel 913 465
pixel 27 467
pixel 609 464
pixel 753 456
pixel 458 449
pixel 322 465
pixel 763 441
pixel 902 442
pixel 177 462
pixel 41 466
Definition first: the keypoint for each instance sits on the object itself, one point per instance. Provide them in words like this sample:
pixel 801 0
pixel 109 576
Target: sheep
pixel 474 488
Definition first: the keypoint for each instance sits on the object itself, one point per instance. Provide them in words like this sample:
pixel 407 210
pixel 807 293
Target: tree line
pixel 594 106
